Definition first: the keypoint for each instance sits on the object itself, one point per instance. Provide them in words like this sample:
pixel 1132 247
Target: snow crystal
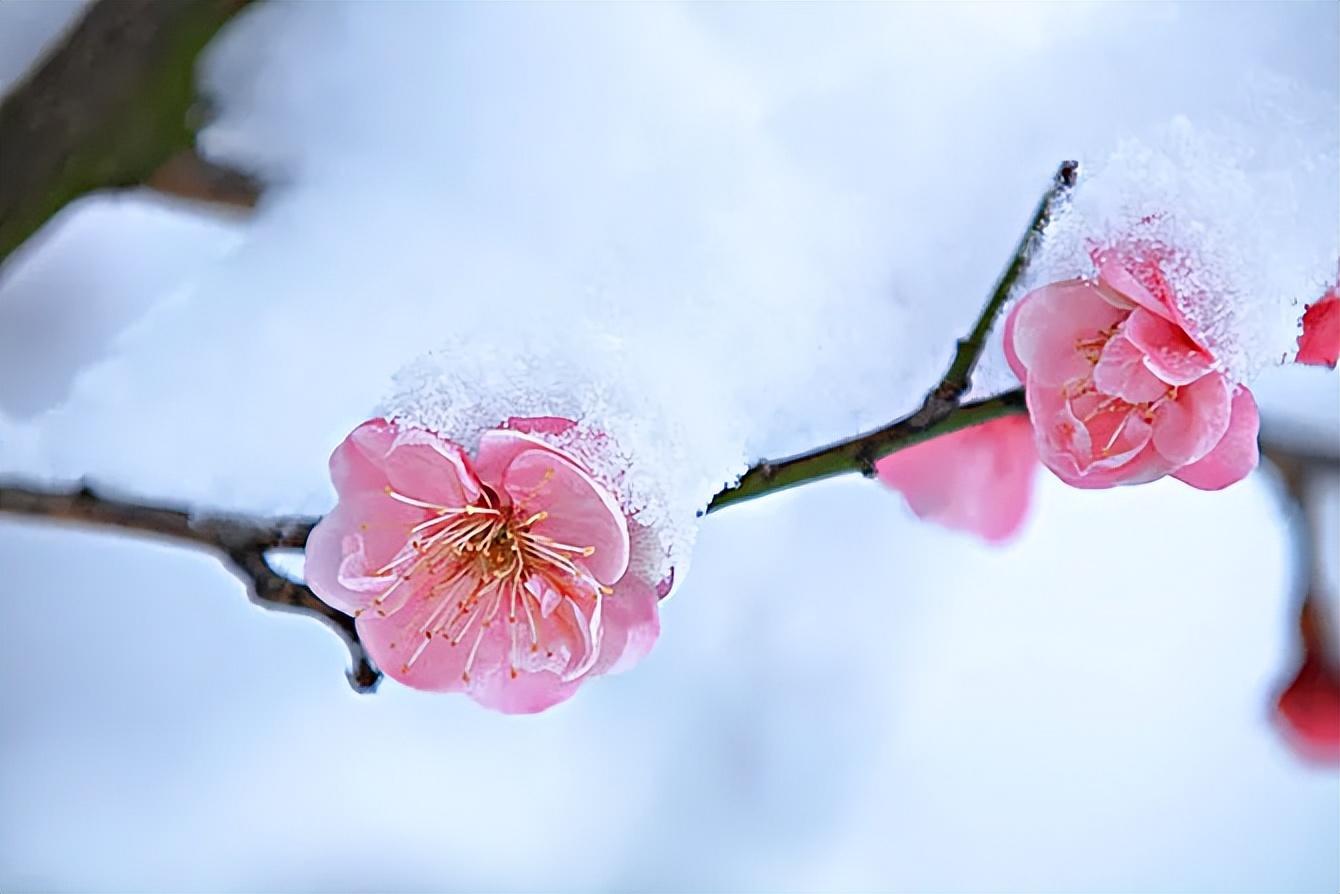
pixel 463 393
pixel 1244 218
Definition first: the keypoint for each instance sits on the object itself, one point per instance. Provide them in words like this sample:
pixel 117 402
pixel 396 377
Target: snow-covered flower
pixel 1319 345
pixel 1120 388
pixel 977 479
pixel 504 575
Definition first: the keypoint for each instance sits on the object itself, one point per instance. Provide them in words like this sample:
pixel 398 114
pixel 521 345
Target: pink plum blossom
pixel 1319 345
pixel 1120 388
pixel 504 575
pixel 977 479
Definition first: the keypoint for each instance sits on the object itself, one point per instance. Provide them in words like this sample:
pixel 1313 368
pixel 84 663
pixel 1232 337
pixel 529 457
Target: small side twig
pixel 187 175
pixel 240 542
pixel 942 410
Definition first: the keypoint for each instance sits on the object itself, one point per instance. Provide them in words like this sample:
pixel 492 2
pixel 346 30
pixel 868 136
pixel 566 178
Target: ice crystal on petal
pixel 1242 227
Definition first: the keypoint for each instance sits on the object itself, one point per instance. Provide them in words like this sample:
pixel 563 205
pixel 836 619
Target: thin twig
pixel 853 454
pixel 941 412
pixel 240 542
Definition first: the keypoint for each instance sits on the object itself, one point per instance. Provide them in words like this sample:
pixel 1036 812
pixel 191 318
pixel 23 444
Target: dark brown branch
pixel 940 412
pixel 240 542
pixel 107 108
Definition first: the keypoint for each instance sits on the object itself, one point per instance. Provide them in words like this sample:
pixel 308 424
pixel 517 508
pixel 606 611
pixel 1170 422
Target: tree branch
pixel 858 454
pixel 941 412
pixel 241 543
pixel 109 108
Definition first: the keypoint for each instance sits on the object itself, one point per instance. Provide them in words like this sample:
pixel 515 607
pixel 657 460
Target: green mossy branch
pixel 106 109
pixel 942 411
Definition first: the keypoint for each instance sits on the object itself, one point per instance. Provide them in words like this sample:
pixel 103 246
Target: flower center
pixel 1083 387
pixel 471 563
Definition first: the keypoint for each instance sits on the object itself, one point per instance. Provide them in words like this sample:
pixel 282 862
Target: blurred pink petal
pixel 1319 345
pixel 1309 707
pixel 1310 711
pixel 977 479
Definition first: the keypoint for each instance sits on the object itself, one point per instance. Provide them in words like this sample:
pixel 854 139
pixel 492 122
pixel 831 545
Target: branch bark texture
pixel 108 108
pixel 241 543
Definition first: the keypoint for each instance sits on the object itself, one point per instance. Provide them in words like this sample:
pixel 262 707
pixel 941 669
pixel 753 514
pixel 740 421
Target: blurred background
pixel 842 698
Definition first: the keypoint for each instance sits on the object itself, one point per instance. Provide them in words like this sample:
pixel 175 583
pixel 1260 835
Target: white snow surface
pixel 713 232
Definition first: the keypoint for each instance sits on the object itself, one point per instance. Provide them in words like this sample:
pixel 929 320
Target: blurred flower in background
pixel 978 479
pixel 1319 345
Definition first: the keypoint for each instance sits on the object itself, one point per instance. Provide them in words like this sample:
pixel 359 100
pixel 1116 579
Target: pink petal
pixel 1117 436
pixel 440 667
pixel 416 463
pixel 631 626
pixel 1145 466
pixel 498 447
pixel 368 527
pixel 1134 273
pixel 1169 353
pixel 1016 365
pixel 1236 454
pixel 1113 275
pixel 527 693
pixel 1319 344
pixel 360 535
pixel 504 675
pixel 978 479
pixel 1188 426
pixel 1048 324
pixel 1066 448
pixel 1121 372
pixel 547 596
pixel 511 678
pixel 581 513
pixel 1061 438
pixel 586 623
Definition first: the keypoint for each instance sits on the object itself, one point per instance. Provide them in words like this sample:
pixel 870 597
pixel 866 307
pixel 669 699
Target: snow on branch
pixel 941 412
pixel 243 542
